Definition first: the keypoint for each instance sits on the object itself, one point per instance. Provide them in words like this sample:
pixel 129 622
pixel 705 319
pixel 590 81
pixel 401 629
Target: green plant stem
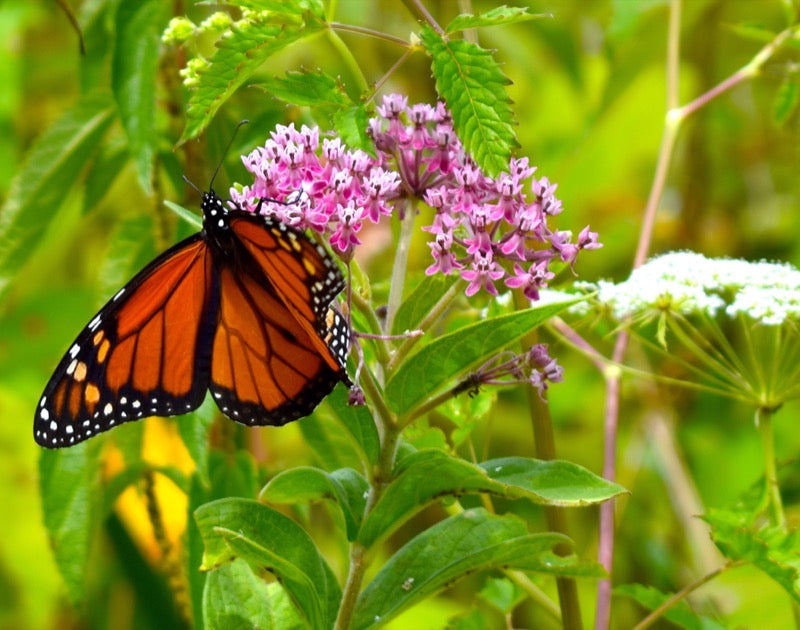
pixel 556 517
pixel 364 307
pixel 773 491
pixel 400 264
pixel 656 614
pixel 359 560
pixel 433 315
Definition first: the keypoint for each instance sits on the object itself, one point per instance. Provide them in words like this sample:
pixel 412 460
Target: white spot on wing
pixel 44 414
pixel 53 425
pixel 74 350
pixel 108 409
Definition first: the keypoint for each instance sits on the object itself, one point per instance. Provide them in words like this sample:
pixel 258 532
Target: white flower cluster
pixel 690 283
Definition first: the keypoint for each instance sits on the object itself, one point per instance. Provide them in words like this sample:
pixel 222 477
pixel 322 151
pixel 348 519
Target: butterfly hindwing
pixel 146 352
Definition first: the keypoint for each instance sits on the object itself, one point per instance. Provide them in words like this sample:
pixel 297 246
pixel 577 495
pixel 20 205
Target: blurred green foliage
pixel 589 92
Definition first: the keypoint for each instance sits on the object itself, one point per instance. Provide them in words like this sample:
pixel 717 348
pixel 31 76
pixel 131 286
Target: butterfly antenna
pixel 191 183
pixel 225 153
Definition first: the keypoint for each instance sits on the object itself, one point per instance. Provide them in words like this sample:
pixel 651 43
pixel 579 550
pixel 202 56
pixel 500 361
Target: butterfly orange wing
pixel 279 348
pixel 146 352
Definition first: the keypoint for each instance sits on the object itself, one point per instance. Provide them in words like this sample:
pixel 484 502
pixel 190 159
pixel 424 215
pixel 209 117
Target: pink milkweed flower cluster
pixel 485 229
pixel 321 186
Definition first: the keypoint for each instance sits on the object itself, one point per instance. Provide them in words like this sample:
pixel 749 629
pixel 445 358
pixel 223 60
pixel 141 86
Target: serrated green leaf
pixel 305 483
pixel 268 540
pixel 311 89
pixel 297 7
pixel 358 422
pixel 240 52
pixel 772 549
pixel 474 88
pixel 103 172
pixel 51 168
pixel 69 485
pixel 427 475
pixel 420 302
pixel 235 599
pixel 682 615
pixel 493 17
pixel 786 99
pixel 471 541
pixel 351 125
pixel 134 72
pixel 436 364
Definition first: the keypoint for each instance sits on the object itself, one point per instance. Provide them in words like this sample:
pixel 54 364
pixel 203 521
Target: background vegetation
pixel 589 97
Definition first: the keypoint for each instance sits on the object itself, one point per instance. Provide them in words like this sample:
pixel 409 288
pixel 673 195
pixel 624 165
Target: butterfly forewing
pixel 145 353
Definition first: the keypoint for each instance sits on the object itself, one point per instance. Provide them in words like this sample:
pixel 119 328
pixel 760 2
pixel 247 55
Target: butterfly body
pixel 241 309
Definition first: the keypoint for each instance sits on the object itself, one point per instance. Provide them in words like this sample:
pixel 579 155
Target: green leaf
pixel 334 448
pixel 552 482
pixel 422 299
pixel 235 599
pixel 786 99
pixel 772 549
pixel 194 430
pixel 51 169
pixel 503 594
pixel 69 485
pixel 134 73
pixel 240 52
pixel 311 89
pixel 351 123
pixel 420 376
pixel 681 614
pixel 130 248
pixel 473 86
pixel 427 475
pixel 494 17
pixel 305 483
pixel 192 218
pixel 271 541
pixel 103 172
pixel 471 541
pixel 358 422
pixel 293 6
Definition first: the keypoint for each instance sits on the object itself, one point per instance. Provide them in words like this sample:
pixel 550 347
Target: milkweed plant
pixel 462 264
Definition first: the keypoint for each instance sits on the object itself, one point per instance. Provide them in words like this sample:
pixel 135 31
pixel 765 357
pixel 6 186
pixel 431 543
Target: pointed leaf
pixel 52 167
pixel 305 483
pixel 471 541
pixel 427 475
pixel 681 614
pixel 311 89
pixel 772 549
pixel 134 71
pixel 271 541
pixel 358 422
pixel 234 598
pixel 494 17
pixel 69 485
pixel 440 361
pixel 474 88
pixel 242 50
pixel 786 99
pixel 422 299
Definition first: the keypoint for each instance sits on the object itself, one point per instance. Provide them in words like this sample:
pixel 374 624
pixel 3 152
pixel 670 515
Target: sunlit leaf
pixel 70 500
pixel 440 361
pixel 268 540
pixel 420 302
pixel 429 474
pixel 493 17
pixel 474 88
pixel 471 541
pixel 235 598
pixel 305 483
pixel 51 169
pixel 134 74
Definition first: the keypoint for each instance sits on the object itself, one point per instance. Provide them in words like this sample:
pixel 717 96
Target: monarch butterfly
pixel 242 308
